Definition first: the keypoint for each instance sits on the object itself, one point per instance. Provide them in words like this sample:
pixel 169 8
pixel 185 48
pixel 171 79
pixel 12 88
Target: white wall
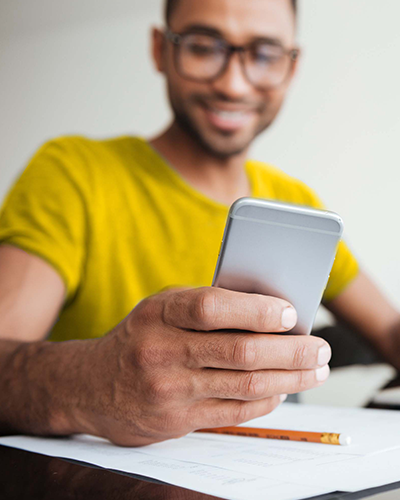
pixel 82 66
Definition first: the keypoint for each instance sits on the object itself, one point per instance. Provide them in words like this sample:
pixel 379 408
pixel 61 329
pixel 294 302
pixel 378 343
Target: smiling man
pixel 94 232
pixel 227 66
pixel 227 103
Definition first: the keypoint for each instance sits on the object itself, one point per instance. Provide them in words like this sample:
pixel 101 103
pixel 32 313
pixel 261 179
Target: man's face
pixel 225 115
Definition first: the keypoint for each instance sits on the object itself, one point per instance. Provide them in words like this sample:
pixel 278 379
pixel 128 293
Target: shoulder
pixel 80 147
pixel 84 159
pixel 274 183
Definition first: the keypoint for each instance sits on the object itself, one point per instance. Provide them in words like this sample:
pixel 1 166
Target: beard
pixel 219 144
pixel 211 145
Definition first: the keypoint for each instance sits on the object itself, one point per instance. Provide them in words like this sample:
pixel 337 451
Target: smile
pixel 229 120
pixel 229 115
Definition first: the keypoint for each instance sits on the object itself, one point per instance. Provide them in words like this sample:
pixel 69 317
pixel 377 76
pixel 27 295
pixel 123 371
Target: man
pixel 94 228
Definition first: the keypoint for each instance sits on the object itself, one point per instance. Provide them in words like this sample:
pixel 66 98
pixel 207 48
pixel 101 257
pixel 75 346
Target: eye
pixel 266 54
pixel 267 58
pixel 201 45
pixel 199 49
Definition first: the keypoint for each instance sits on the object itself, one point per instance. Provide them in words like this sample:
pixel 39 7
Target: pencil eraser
pixel 344 440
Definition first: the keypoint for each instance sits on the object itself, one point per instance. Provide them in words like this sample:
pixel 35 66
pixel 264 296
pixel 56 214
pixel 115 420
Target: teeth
pixel 229 115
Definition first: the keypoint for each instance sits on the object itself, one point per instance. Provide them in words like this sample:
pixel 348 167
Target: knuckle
pixel 171 424
pixel 244 352
pixel 145 357
pixel 303 381
pixel 254 385
pixel 145 311
pixel 160 390
pixel 237 413
pixel 171 303
pixel 301 356
pixel 204 310
pixel 149 356
pixel 266 314
pixel 241 413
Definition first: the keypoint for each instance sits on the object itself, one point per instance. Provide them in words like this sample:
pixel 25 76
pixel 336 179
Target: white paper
pixel 238 467
pixel 206 479
pixel 371 430
pixel 358 473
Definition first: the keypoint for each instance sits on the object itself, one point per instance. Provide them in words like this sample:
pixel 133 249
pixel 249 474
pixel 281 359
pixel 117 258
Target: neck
pixel 222 179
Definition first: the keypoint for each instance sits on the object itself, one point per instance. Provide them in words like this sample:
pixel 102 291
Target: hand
pixel 168 369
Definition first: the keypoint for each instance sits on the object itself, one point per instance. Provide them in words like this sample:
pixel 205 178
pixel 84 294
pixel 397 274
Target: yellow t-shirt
pixel 119 224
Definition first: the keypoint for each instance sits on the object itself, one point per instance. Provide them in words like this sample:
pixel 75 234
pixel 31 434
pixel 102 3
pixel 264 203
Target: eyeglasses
pixel 204 58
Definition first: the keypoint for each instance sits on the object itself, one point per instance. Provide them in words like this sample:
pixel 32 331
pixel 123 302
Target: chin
pixel 227 147
pixel 221 145
pixel 225 153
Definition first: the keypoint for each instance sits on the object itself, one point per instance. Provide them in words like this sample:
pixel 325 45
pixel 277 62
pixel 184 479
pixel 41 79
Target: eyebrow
pixel 209 30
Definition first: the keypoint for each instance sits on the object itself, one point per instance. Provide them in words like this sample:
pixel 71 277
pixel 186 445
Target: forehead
pixel 238 20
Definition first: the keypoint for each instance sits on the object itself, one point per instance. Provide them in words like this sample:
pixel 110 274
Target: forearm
pixel 364 308
pixel 42 386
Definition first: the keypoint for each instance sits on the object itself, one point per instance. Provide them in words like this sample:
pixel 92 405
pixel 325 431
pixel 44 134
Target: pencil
pixel 309 437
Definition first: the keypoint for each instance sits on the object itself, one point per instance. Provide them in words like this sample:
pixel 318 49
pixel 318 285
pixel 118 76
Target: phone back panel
pixel 282 250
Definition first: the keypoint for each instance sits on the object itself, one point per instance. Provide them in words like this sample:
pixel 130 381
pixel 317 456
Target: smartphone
pixel 279 249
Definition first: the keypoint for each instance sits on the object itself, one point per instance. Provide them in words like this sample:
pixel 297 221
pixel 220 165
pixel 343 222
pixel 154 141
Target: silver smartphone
pixel 279 249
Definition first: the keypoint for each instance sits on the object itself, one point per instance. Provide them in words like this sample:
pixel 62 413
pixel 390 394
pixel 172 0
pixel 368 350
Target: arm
pixel 165 370
pixel 40 382
pixel 31 296
pixel 364 308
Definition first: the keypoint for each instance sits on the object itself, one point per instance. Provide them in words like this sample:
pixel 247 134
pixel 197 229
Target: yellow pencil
pixel 310 437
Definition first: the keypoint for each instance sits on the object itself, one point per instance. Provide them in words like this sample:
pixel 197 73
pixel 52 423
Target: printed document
pixel 238 468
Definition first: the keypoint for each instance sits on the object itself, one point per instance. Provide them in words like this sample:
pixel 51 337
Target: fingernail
pixel 324 355
pixel 322 374
pixel 283 397
pixel 289 318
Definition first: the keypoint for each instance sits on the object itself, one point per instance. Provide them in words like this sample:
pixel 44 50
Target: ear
pixel 295 64
pixel 158 44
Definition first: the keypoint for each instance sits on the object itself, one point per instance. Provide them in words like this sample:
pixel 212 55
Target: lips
pixel 228 119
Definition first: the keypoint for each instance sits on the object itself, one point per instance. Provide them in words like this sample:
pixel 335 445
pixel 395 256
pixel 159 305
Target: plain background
pixel 83 67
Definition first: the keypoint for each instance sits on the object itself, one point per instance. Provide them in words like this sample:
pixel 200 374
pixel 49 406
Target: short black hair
pixel 171 4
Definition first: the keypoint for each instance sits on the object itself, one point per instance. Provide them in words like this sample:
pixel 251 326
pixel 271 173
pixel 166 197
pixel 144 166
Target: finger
pixel 210 308
pixel 252 386
pixel 249 351
pixel 218 413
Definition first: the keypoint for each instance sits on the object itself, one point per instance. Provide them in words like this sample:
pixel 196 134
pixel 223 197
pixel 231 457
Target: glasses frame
pixel 176 40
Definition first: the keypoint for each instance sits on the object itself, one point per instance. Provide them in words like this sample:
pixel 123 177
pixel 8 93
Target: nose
pixel 233 82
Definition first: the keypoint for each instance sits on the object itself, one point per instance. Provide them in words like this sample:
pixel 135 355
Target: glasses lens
pixel 201 56
pixel 266 65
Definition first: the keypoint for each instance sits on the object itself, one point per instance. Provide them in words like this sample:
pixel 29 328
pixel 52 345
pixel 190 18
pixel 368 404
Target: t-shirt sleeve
pixel 345 267
pixel 44 213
